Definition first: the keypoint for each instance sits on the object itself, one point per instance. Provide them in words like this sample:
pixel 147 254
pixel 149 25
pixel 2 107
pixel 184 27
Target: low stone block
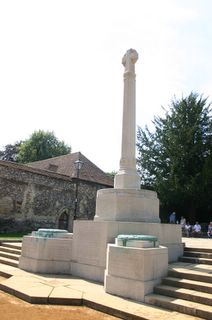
pixel 46 255
pixel 45 266
pixel 133 272
pixel 128 288
pixel 137 263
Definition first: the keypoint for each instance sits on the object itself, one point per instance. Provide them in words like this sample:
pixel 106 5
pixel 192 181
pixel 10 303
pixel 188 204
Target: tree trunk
pixel 192 214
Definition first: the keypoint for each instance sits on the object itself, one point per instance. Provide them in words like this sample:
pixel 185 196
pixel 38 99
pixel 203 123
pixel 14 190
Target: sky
pixel 61 71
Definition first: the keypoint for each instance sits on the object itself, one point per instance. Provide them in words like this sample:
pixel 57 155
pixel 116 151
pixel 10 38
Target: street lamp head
pixel 78 164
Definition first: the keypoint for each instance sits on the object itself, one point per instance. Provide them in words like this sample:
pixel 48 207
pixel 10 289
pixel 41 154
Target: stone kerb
pixel 133 272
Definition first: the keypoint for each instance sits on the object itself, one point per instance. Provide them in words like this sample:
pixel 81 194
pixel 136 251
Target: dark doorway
pixel 63 221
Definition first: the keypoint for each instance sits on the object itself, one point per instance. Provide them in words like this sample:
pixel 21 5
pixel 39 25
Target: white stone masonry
pixel 127 202
pixel 127 177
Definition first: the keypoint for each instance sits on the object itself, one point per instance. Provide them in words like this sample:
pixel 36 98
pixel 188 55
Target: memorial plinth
pixel 133 272
pixel 127 205
pixel 47 251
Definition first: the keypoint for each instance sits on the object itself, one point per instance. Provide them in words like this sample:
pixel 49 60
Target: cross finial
pixel 129 60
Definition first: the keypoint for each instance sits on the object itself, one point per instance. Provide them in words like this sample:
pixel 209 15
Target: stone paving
pixel 198 242
pixel 68 290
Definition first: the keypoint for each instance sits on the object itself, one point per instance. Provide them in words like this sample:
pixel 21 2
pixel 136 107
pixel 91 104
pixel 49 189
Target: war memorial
pixel 125 247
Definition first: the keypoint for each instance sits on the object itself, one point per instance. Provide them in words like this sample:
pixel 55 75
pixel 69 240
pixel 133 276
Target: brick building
pixel 42 194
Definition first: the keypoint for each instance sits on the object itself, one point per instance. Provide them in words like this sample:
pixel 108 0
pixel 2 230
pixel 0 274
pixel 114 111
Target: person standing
pixel 172 217
pixel 182 223
pixel 187 229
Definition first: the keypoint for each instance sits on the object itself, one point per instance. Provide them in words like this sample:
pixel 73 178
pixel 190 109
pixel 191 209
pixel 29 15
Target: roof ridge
pixel 93 164
pixel 66 166
pixel 63 155
pixel 22 166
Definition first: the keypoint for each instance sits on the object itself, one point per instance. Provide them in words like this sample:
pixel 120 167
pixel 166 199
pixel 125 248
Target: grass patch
pixel 12 235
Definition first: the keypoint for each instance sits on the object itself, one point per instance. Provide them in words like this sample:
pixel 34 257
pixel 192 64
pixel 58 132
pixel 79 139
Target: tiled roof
pixel 65 165
pixel 24 167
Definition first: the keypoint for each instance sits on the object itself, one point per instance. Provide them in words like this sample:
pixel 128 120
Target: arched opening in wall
pixel 63 221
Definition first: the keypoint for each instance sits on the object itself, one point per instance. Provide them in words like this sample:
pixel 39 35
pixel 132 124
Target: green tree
pixel 10 152
pixel 111 174
pixel 176 159
pixel 41 145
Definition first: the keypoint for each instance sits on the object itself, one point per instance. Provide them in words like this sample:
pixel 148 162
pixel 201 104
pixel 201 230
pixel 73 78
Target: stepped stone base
pixel 90 240
pixel 85 254
pixel 180 305
pixel 188 287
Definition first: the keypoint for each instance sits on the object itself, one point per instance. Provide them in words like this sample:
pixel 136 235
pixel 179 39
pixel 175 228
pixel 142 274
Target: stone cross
pixel 127 176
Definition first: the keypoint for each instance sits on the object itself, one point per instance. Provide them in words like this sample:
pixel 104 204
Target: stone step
pixel 9 262
pixel 208 250
pixel 195 260
pixel 198 254
pixel 180 305
pixel 4 274
pixel 10 250
pixel 189 271
pixel 185 294
pixel 188 284
pixel 13 245
pixel 9 255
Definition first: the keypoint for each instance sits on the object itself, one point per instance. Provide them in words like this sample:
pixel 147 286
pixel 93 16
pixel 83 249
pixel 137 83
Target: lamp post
pixel 78 165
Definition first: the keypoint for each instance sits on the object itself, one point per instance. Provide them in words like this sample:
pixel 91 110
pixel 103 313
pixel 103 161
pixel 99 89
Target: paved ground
pixel 198 242
pixel 12 308
pixel 57 289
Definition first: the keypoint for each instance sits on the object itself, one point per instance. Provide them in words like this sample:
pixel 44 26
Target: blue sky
pixel 60 66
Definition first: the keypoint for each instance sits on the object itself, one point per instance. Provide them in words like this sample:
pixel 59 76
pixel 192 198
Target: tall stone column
pixel 126 201
pixel 127 177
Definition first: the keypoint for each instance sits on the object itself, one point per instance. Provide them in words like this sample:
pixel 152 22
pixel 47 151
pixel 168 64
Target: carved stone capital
pixel 129 59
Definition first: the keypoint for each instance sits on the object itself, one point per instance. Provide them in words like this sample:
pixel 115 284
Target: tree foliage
pixel 111 174
pixel 41 145
pixel 176 159
pixel 10 152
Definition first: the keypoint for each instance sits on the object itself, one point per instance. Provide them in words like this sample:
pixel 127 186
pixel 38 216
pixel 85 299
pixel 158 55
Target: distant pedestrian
pixel 187 229
pixel 182 223
pixel 172 217
pixel 209 232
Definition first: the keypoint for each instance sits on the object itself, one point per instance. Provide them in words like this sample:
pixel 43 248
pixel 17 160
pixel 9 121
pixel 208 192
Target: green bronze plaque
pixel 136 237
